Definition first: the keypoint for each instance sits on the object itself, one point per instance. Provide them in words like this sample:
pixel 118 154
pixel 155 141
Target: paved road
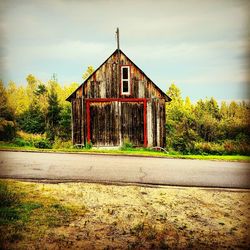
pixel 54 166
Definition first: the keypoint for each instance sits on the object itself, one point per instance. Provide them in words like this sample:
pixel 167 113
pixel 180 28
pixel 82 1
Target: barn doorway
pixel 132 123
pixel 104 124
pixel 110 122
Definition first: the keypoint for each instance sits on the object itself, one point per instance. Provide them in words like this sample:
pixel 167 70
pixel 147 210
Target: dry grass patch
pixel 95 216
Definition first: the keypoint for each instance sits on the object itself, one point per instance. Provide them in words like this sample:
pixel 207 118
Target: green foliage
pixel 59 143
pixel 32 120
pixel 7 198
pixel 127 145
pixel 7 130
pixel 202 127
pixel 53 114
pixel 43 143
pixel 65 123
pixel 6 111
pixel 21 142
pixel 206 128
pixel 7 121
pixel 88 145
pixel 206 148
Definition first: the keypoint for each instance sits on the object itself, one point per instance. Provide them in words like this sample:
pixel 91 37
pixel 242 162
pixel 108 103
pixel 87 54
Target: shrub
pixel 236 147
pixel 27 139
pixel 7 130
pixel 58 143
pixel 182 145
pixel 21 142
pixel 88 145
pixel 227 147
pixel 32 120
pixel 209 148
pixel 30 137
pixel 127 145
pixel 43 143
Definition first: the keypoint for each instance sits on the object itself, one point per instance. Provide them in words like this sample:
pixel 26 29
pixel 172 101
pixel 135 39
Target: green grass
pixel 24 209
pixel 133 152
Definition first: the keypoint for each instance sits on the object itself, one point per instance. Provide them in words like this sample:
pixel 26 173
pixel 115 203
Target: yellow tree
pixel 88 72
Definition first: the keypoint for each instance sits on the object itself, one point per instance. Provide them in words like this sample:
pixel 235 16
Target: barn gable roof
pixel 167 98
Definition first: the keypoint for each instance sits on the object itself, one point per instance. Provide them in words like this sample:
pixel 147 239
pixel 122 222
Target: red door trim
pixel 143 100
pixel 145 123
pixel 88 120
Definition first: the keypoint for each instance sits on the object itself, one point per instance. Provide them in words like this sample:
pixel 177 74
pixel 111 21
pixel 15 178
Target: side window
pixel 125 80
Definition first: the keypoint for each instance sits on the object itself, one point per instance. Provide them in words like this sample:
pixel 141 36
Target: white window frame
pixel 128 80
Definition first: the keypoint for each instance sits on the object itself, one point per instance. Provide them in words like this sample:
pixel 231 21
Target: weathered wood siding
pixel 132 123
pixel 105 83
pixel 113 121
pixel 104 124
pixel 77 112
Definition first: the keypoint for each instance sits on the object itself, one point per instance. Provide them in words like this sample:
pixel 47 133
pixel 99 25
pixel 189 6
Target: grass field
pixel 95 216
pixel 137 152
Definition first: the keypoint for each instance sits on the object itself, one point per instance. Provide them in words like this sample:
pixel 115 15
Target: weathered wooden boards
pixel 102 115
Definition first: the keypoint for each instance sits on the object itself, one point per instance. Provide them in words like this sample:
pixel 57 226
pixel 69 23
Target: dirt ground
pixel 97 216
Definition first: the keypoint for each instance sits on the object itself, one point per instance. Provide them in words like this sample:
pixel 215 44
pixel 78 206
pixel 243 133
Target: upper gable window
pixel 125 80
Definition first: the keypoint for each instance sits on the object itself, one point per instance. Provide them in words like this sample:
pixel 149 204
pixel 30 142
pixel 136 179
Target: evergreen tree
pixel 53 115
pixel 32 120
pixel 7 123
pixel 65 123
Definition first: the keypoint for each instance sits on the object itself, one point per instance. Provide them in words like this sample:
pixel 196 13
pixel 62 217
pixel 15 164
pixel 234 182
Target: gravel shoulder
pixel 96 216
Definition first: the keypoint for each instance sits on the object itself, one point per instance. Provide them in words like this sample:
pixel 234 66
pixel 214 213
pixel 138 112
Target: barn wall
pixel 132 122
pixel 113 122
pixel 104 124
pixel 156 123
pixel 105 84
pixel 77 111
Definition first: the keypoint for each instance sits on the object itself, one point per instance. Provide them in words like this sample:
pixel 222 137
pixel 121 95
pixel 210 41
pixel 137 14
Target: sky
pixel 201 46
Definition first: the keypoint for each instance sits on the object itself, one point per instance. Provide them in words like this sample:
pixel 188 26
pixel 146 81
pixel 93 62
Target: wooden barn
pixel 118 102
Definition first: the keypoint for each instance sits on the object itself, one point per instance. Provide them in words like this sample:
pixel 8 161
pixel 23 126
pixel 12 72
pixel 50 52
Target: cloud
pixel 196 42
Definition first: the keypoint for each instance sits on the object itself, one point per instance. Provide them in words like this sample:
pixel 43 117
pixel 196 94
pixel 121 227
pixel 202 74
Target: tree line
pixel 37 108
pixel 206 127
pixel 203 127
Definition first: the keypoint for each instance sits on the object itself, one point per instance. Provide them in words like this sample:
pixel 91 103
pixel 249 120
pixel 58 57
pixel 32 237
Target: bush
pixel 7 130
pixel 224 148
pixel 44 143
pixel 208 148
pixel 58 143
pixel 26 139
pixel 234 147
pixel 30 137
pixel 127 145
pixel 88 145
pixel 21 142
pixel 32 120
pixel 182 145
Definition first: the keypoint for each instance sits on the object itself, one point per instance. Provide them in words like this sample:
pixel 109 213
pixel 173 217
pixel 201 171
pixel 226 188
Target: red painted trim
pixel 130 80
pixel 88 120
pixel 144 100
pixel 145 123
pixel 116 99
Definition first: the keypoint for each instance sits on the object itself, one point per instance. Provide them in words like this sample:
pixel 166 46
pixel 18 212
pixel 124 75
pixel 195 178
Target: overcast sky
pixel 200 45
